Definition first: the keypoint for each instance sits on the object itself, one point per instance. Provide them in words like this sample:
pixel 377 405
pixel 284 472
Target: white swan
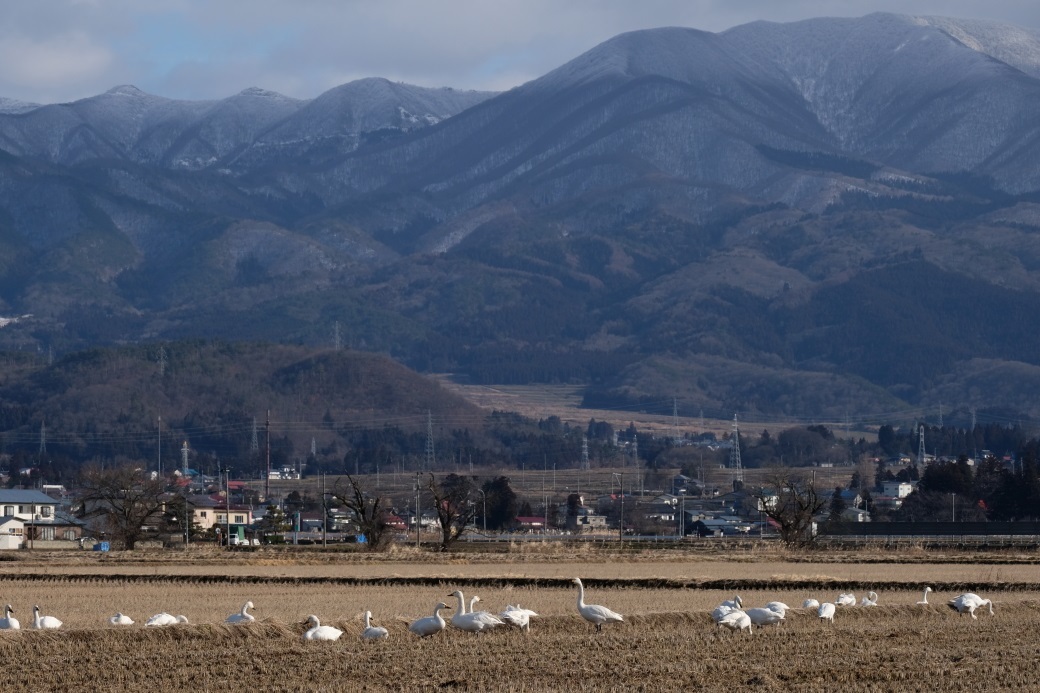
pixel 472 622
pixel 720 612
pixel 968 602
pixel 517 616
pixel 373 632
pixel 165 619
pixel 736 620
pixel 242 617
pixel 779 607
pixel 121 619
pixel 826 612
pixel 42 622
pixel 9 622
pixel 593 613
pixel 320 632
pixel 735 603
pixel 845 599
pixel 431 625
pixel 811 604
pixel 764 617
pixel 924 597
pixel 869 600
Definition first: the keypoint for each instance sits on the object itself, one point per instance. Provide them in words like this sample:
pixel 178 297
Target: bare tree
pixel 792 502
pixel 122 500
pixel 455 506
pixel 370 512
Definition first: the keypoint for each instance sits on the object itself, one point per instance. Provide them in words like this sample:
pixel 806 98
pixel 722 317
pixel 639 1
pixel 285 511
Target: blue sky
pixel 62 50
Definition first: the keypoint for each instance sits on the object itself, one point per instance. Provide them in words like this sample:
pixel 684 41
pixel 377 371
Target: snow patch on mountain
pixel 1014 45
pixel 14 106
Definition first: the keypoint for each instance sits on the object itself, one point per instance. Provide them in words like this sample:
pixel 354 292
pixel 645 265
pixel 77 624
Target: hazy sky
pixel 62 50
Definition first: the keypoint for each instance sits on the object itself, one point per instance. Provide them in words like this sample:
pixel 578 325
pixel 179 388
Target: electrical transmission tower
pixel 254 444
pixel 428 459
pixel 162 360
pixel 734 457
pixel 184 459
pixel 675 420
pixel 920 447
pixel 584 452
pixel 43 439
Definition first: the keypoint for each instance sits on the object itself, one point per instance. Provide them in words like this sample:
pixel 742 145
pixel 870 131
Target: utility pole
pixel 187 524
pixel 227 506
pixel 621 520
pixel 159 447
pixel 682 515
pixel 267 477
pixel 417 516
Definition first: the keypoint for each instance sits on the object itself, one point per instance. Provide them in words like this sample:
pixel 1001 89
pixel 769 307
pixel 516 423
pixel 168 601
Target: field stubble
pixel 885 648
pixel 668 641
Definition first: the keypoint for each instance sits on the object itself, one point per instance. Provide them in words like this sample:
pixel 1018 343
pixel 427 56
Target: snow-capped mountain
pixel 672 200
pixel 126 123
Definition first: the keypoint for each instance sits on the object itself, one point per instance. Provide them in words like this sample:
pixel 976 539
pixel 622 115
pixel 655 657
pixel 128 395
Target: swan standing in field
pixel 373 632
pixel 517 616
pixel 9 622
pixel 121 619
pixel 593 613
pixel 471 622
pixel 811 604
pixel 764 617
pixel 736 620
pixel 242 617
pixel 735 603
pixel 968 602
pixel 43 622
pixel 826 612
pixel 869 600
pixel 165 619
pixel 320 632
pixel 845 599
pixel 924 597
pixel 431 625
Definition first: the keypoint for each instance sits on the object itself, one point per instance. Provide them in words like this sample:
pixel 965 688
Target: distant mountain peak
pixel 126 90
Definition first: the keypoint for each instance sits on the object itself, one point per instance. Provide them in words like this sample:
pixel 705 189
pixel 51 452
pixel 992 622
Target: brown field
pixel 668 641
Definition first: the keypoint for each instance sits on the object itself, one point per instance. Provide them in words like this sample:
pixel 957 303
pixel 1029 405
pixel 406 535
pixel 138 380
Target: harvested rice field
pixel 668 640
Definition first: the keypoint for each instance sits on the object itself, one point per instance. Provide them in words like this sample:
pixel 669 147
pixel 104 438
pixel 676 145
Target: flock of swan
pixel 466 618
pixel 729 614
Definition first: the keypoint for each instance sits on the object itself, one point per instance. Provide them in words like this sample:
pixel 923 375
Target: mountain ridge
pixel 723 201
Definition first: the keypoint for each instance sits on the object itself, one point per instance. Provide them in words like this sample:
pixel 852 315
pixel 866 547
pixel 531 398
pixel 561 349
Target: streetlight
pixel 483 498
pixel 621 486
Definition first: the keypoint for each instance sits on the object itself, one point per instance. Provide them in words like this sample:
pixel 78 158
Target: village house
pixel 42 515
